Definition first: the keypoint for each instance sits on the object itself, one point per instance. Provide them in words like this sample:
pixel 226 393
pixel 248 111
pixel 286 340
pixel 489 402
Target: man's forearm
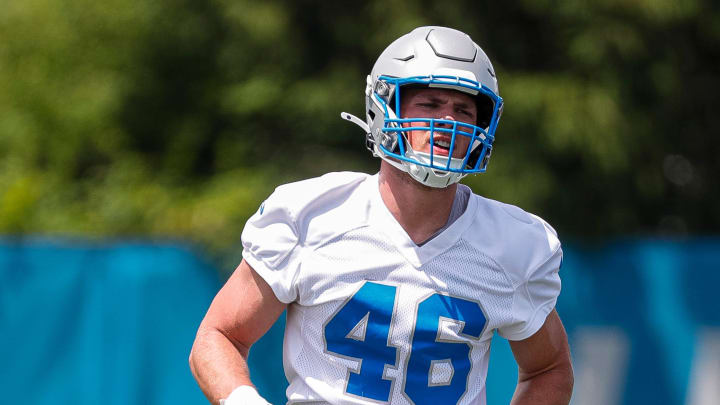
pixel 218 364
pixel 551 387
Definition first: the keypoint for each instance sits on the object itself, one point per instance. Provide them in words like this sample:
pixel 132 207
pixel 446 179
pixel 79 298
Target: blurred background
pixel 137 137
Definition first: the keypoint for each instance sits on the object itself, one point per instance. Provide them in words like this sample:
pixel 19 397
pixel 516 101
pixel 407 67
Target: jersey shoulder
pixel 517 240
pixel 322 206
pixel 300 194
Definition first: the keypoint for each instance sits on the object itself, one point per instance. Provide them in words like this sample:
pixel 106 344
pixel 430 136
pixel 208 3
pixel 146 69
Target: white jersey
pixel 373 318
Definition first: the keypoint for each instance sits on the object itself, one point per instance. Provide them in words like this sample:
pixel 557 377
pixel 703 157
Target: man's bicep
pixel 244 308
pixel 544 350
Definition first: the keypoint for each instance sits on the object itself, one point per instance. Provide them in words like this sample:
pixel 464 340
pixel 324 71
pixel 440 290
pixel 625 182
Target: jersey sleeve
pixel 535 297
pixel 271 247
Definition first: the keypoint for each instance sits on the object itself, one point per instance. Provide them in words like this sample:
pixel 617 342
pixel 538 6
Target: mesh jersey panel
pixel 336 270
pixel 323 243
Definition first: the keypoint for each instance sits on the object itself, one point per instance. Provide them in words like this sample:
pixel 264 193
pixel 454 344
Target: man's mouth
pixel 443 144
pixel 441 147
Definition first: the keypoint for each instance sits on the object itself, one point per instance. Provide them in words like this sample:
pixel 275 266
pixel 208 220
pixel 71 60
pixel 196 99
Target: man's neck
pixel 419 209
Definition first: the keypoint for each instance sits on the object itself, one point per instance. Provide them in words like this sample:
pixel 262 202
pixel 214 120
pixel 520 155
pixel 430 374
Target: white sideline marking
pixel 601 356
pixel 704 387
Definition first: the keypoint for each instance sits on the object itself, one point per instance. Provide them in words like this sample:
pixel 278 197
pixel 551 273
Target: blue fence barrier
pixel 100 324
pixel 113 324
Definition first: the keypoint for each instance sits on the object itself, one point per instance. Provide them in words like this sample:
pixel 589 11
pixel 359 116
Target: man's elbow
pixel 191 364
pixel 212 342
pixel 562 380
pixel 200 341
pixel 566 381
pixel 553 385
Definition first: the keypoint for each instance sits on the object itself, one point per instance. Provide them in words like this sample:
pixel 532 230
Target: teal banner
pixel 113 323
pixel 100 324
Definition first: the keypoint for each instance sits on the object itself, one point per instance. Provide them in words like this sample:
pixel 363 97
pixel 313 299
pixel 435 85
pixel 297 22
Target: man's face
pixel 439 104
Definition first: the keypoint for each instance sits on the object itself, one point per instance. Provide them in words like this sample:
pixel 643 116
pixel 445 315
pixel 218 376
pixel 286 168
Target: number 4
pixel 360 330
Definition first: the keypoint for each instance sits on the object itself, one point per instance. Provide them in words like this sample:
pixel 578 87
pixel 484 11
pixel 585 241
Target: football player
pixel 395 282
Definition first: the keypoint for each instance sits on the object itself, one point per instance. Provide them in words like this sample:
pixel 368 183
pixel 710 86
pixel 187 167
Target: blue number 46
pixel 360 330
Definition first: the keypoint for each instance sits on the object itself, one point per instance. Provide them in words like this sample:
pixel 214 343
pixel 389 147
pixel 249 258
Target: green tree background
pixel 174 119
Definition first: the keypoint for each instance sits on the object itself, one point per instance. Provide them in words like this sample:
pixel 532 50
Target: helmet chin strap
pixel 442 161
pixel 435 178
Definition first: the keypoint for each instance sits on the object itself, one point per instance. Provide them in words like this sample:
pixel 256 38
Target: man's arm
pixel 243 310
pixel 545 375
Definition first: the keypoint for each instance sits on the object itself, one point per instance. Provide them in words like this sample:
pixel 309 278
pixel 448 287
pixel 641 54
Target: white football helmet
pixel 435 57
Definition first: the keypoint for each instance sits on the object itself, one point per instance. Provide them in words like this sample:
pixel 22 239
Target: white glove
pixel 244 395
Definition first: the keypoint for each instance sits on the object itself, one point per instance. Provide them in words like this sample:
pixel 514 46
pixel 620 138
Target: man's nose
pixel 447 117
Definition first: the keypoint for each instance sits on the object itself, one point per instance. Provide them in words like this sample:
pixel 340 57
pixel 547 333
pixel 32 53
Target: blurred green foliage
pixel 176 118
